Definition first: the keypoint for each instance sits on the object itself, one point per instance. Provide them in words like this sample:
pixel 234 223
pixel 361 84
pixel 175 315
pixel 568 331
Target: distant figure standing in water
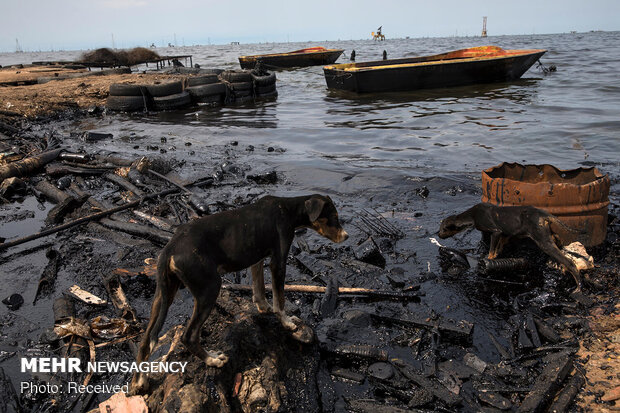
pixel 352 58
pixel 384 55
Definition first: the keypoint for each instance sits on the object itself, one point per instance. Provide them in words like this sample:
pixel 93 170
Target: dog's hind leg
pixel 167 286
pixel 546 243
pixel 258 288
pixel 498 241
pixel 205 286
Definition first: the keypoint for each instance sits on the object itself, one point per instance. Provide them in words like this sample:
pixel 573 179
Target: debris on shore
pixel 395 344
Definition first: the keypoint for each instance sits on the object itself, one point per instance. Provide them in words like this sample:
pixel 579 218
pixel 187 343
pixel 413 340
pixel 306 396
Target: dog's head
pixel 323 218
pixel 451 226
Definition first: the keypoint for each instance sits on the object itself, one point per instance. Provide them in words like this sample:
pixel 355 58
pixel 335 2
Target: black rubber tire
pixel 234 76
pixel 243 99
pixel 266 80
pixel 165 89
pixel 172 101
pixel 240 86
pixel 242 93
pixel 273 94
pixel 211 99
pixel 126 103
pixel 198 92
pixel 262 90
pixel 210 71
pixel 202 80
pixel 124 89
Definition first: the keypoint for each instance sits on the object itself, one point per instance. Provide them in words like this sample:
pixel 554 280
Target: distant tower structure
pixel 484 26
pixel 18 48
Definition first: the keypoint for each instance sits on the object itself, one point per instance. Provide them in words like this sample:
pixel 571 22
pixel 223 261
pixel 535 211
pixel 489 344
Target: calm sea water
pixel 565 118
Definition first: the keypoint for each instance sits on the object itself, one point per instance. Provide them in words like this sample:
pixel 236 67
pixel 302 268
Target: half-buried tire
pixel 202 80
pixel 165 89
pixel 265 80
pixel 170 102
pixel 124 89
pixel 262 90
pixel 126 103
pixel 273 94
pixel 198 92
pixel 236 76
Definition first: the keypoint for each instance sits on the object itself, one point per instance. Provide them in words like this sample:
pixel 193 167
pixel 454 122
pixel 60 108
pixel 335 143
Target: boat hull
pixel 289 60
pixel 424 73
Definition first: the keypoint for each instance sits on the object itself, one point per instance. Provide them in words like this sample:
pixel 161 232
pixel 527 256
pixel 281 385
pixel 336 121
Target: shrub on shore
pixel 119 58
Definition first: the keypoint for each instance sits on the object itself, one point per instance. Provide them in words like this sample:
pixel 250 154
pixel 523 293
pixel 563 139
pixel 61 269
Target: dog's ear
pixel 314 206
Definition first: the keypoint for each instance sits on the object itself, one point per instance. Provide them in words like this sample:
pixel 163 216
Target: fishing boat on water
pixel 484 64
pixel 311 56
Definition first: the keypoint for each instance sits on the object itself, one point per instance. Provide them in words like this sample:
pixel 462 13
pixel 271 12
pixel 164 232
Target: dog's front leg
pixel 258 288
pixel 278 274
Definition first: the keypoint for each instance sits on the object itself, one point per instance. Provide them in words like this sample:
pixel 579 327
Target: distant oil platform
pixel 484 26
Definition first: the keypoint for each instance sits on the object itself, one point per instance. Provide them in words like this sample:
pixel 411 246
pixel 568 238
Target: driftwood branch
pixel 315 289
pixel 94 217
pixel 28 165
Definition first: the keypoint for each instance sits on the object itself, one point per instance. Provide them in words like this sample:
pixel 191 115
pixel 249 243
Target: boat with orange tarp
pixel 485 64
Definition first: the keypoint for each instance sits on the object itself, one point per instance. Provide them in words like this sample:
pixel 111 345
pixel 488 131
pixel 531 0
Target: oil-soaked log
pixel 568 394
pixel 27 166
pixel 157 221
pixel 59 170
pixel 314 289
pixel 114 160
pixel 65 203
pixel 54 194
pixel 8 129
pixel 9 401
pixel 152 234
pixel 435 388
pixel 123 183
pixel 459 331
pixel 48 277
pixel 93 217
pixel 75 157
pixel 531 327
pixel 348 374
pixel 547 331
pixel 547 383
pixel 372 406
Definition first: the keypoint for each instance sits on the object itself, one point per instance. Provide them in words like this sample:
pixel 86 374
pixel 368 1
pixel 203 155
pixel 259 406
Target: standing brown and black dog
pixel 504 223
pixel 204 249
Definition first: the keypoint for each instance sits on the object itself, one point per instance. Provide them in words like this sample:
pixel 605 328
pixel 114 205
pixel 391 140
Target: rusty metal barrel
pixel 578 197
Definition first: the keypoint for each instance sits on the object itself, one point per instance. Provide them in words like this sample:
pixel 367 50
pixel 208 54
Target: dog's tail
pixel 555 221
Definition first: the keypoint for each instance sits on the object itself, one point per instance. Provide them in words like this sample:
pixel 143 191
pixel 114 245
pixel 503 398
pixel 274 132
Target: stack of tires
pixel 169 96
pixel 128 98
pixel 265 85
pixel 206 88
pixel 240 85
pixel 133 98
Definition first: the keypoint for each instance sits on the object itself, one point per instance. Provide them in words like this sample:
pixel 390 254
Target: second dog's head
pixel 324 219
pixel 451 226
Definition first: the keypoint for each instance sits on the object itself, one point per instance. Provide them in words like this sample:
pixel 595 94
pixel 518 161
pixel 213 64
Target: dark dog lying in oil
pixel 202 250
pixel 504 223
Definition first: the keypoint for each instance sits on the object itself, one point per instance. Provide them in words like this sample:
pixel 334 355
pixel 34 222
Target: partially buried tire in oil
pixel 579 197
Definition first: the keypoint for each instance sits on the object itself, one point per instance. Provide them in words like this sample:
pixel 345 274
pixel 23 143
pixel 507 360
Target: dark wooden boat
pixel 483 64
pixel 312 56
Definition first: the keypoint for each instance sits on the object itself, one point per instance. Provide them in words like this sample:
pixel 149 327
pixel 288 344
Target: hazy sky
pixel 81 24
